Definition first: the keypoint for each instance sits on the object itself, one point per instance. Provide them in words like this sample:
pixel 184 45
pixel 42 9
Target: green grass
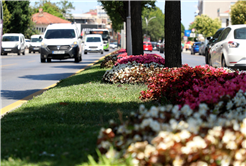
pixel 65 120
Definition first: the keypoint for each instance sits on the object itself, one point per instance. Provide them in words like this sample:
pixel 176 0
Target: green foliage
pixel 66 7
pixel 103 160
pixel 238 13
pixel 118 11
pixel 6 18
pixel 206 25
pixel 182 31
pixel 18 16
pixel 155 27
pixel 49 7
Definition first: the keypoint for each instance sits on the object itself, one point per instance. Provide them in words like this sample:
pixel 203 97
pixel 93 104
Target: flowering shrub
pixel 132 72
pixel 143 59
pixel 167 135
pixel 192 86
pixel 111 59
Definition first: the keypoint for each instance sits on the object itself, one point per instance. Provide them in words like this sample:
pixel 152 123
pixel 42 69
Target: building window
pixel 227 22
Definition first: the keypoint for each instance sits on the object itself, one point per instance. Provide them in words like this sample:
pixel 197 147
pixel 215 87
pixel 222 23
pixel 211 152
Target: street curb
pixel 18 103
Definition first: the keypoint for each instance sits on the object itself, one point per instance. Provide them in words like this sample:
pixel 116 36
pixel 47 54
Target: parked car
pixel 113 45
pixel 154 45
pixel 195 48
pixel 147 46
pixel 230 48
pixel 27 43
pixel 211 41
pixel 13 43
pixel 203 47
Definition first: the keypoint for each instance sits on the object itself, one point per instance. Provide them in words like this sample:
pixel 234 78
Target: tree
pixel 116 8
pixel 155 27
pixel 6 18
pixel 205 25
pixel 172 34
pixel 65 7
pixel 238 13
pixel 136 26
pixel 20 16
pixel 49 7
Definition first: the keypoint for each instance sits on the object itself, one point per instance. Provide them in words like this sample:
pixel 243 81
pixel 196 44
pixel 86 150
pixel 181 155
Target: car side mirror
pixel 209 38
pixel 40 37
pixel 80 37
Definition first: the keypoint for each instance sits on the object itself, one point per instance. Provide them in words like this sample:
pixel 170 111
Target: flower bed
pixel 134 69
pixel 165 135
pixel 192 86
pixel 111 59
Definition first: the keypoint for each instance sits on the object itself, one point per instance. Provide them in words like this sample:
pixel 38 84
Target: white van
pixel 93 43
pixel 13 43
pixel 61 41
pixel 35 43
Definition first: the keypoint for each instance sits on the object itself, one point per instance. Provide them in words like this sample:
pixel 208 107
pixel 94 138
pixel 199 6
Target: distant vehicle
pixel 61 41
pixel 103 32
pixel 211 41
pixel 154 45
pixel 93 43
pixel 35 43
pixel 162 47
pixel 113 45
pixel 147 46
pixel 230 48
pixel 195 47
pixel 13 43
pixel 203 47
pixel 27 43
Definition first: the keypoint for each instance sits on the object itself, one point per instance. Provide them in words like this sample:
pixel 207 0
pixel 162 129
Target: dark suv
pixel 211 42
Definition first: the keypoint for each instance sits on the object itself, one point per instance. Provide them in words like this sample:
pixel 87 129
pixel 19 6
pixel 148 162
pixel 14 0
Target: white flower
pixel 184 134
pixel 175 109
pixel 186 150
pixel 146 122
pixel 109 130
pixel 186 110
pixel 231 145
pixel 162 108
pixel 240 154
pixel 244 144
pixel 225 161
pixel 229 105
pixel 137 138
pixel 155 125
pixel 178 161
pixel 154 111
pixel 141 107
pixel 105 144
pixel 200 143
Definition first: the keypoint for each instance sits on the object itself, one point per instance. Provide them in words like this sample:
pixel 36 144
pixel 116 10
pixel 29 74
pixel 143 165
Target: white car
pixel 13 43
pixel 35 43
pixel 27 43
pixel 93 43
pixel 113 45
pixel 61 41
pixel 230 48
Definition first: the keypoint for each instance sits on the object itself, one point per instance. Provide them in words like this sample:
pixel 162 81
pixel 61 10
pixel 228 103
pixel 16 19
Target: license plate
pixel 146 48
pixel 7 49
pixel 58 52
pixel 36 48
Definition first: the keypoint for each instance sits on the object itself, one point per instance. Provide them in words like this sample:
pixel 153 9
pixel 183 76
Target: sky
pixel 188 8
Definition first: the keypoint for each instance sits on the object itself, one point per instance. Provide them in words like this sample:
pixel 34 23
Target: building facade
pixel 216 9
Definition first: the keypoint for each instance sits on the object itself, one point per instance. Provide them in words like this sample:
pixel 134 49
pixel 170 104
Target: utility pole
pixel 147 23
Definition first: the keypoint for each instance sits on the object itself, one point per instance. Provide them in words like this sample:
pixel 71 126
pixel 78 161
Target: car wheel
pixel 5 53
pixel 76 59
pixel 161 51
pixel 42 60
pixel 23 52
pixel 206 57
pixel 85 52
pixel 30 52
pixel 80 58
pixel 102 52
pixel 48 59
pixel 223 62
pixel 19 52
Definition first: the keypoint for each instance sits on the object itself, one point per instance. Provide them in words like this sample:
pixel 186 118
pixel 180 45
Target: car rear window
pixel 60 33
pixel 10 38
pixel 93 39
pixel 240 33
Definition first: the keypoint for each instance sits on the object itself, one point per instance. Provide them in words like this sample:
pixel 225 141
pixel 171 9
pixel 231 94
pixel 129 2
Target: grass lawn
pixel 60 127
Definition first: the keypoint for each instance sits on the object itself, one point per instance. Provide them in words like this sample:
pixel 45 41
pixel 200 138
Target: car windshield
pixel 240 33
pixel 10 38
pixel 93 39
pixel 59 34
pixel 36 40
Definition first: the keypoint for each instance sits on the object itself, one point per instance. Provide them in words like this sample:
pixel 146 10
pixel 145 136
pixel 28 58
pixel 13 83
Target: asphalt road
pixel 24 75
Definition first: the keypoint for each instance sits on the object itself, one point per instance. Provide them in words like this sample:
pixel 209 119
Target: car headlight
pixel 74 44
pixel 43 45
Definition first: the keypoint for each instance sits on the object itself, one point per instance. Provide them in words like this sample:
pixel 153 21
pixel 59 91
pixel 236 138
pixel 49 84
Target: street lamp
pixel 147 22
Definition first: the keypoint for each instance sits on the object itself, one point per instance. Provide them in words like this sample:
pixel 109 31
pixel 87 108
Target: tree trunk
pixel 136 28
pixel 172 34
pixel 126 15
